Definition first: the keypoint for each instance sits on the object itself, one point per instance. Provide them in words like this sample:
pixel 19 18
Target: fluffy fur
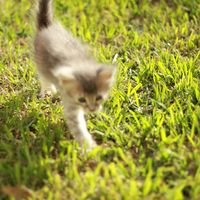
pixel 65 65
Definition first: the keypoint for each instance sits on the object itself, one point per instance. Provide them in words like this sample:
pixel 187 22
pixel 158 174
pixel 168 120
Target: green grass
pixel 149 131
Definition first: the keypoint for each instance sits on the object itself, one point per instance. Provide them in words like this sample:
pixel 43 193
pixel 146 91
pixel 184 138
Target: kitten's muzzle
pixel 92 108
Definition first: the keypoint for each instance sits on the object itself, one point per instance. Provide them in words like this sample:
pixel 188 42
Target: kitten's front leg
pixel 46 87
pixel 77 126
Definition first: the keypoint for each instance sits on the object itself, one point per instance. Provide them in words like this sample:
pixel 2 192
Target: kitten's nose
pixel 92 108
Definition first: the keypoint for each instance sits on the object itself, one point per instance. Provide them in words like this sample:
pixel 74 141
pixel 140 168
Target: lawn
pixel 149 130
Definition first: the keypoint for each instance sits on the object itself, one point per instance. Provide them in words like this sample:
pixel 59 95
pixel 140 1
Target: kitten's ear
pixel 64 75
pixel 106 74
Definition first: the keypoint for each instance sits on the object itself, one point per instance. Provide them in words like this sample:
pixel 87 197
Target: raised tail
pixel 45 14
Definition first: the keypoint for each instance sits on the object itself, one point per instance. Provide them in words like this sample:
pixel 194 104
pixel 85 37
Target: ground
pixel 149 130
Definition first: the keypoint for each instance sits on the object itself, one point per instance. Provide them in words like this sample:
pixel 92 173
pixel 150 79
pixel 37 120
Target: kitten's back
pixel 54 46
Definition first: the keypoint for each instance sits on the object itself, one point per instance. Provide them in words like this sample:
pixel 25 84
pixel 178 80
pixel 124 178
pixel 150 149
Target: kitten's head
pixel 87 88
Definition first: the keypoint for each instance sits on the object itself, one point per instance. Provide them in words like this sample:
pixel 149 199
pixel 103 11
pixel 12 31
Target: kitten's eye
pixel 99 97
pixel 82 100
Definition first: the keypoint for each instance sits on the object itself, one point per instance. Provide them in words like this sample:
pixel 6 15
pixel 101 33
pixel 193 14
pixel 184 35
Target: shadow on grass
pixel 29 140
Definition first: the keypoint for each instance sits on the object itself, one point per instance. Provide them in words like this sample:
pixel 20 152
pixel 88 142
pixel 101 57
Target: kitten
pixel 64 65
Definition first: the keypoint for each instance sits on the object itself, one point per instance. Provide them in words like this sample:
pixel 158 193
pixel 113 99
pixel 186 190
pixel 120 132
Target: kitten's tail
pixel 45 14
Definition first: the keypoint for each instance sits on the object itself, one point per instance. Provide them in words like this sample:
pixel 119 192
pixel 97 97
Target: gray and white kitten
pixel 64 65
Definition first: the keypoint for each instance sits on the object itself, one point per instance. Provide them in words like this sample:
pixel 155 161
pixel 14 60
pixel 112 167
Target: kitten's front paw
pixel 49 90
pixel 91 146
pixel 87 144
pixel 45 93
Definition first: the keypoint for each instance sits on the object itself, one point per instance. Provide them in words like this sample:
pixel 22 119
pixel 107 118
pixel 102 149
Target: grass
pixel 149 131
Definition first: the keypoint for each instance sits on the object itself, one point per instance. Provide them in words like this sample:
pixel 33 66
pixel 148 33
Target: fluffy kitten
pixel 65 65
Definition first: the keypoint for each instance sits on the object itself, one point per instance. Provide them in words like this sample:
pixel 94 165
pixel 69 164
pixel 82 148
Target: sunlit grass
pixel 148 133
